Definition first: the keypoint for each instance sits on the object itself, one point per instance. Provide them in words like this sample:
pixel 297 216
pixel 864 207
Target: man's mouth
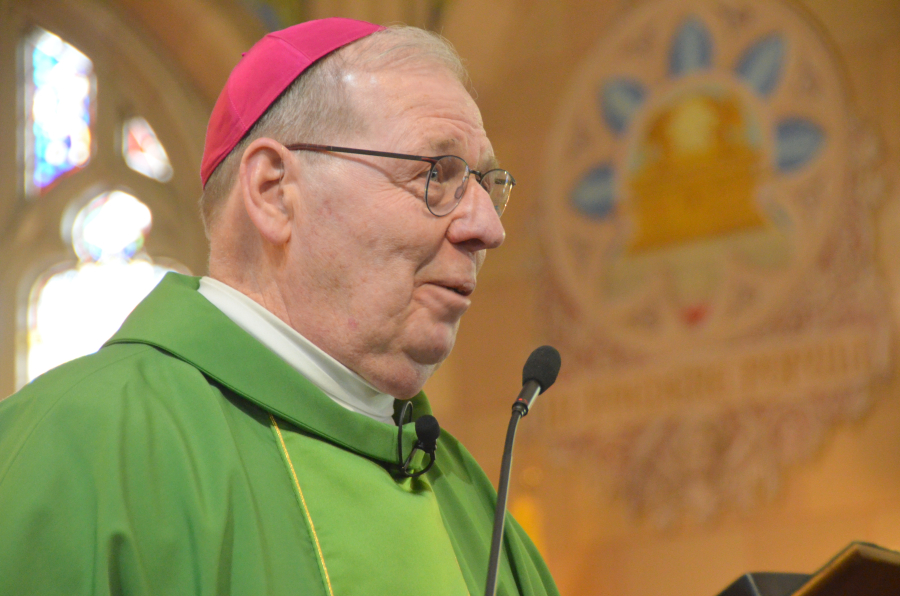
pixel 461 287
pixel 464 289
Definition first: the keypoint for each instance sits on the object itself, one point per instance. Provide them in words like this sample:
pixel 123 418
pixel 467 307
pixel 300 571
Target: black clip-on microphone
pixel 539 373
pixel 427 432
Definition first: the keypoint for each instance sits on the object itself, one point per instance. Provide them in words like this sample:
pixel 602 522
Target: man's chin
pixel 430 356
pixel 433 351
pixel 408 381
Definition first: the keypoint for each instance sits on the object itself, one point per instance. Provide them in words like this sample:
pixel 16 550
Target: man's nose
pixel 475 220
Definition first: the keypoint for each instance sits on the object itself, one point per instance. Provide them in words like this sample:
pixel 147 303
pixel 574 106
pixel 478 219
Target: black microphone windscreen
pixel 542 366
pixel 428 430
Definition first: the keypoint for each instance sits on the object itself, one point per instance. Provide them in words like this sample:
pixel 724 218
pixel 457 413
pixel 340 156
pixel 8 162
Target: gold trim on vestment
pixel 312 527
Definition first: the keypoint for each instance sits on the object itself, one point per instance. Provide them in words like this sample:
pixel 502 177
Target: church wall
pixel 524 57
pixel 845 489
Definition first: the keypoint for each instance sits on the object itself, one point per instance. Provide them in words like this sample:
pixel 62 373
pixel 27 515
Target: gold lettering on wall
pixel 772 371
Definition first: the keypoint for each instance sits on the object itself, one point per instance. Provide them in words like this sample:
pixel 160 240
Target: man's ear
pixel 265 191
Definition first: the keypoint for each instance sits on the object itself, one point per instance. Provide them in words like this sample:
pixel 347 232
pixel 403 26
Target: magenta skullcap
pixel 264 72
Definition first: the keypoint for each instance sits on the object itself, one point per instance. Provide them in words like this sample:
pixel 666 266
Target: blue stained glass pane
pixel 111 227
pixel 59 99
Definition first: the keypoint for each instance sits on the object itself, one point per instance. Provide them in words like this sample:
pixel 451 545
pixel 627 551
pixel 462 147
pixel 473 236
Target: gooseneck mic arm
pixel 500 511
pixel 539 373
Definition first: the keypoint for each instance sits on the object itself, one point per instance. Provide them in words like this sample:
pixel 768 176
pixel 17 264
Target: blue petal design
pixel 760 66
pixel 691 48
pixel 619 100
pixel 798 141
pixel 595 194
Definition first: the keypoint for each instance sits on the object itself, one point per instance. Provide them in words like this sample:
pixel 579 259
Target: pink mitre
pixel 263 74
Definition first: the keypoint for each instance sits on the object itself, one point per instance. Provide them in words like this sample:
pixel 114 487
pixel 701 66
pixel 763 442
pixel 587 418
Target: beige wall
pixel 850 490
pixel 521 55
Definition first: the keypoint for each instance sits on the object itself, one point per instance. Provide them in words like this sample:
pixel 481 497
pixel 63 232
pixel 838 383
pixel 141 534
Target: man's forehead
pixel 423 109
pixel 450 145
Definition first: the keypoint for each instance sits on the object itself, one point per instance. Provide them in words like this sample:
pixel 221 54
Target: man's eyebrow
pixel 444 145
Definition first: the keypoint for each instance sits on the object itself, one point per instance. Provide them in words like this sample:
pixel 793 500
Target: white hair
pixel 316 108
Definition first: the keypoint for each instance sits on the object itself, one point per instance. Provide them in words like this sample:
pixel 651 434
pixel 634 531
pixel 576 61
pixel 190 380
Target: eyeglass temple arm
pixel 432 160
pixel 310 147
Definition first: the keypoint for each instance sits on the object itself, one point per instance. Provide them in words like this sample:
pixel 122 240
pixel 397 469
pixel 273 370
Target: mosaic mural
pixel 706 236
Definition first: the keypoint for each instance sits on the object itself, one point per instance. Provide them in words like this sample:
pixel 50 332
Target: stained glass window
pixel 72 312
pixel 143 152
pixel 59 100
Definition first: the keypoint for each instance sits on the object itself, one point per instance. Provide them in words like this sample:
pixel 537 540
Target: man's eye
pixel 428 173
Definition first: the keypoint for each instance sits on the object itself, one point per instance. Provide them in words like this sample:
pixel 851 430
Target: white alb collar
pixel 336 380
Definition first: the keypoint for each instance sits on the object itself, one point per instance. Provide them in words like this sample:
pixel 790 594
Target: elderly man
pixel 238 435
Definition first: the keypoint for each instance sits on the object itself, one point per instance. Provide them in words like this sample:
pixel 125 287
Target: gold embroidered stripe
pixel 309 520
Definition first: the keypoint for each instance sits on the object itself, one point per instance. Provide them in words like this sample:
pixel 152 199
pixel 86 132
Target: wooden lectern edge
pixel 856 550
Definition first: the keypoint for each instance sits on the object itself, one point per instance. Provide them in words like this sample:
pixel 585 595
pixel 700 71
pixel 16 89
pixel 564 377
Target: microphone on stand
pixel 538 374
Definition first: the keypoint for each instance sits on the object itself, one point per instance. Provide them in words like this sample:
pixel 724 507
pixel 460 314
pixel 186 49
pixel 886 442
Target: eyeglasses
pixel 446 181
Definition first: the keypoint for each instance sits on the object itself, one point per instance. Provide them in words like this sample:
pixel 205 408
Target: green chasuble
pixel 186 458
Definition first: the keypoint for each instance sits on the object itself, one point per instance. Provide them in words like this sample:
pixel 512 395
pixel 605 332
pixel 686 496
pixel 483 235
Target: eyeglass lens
pixel 447 185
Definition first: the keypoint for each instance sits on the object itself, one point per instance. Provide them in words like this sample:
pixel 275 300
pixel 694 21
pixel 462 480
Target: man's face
pixel 378 281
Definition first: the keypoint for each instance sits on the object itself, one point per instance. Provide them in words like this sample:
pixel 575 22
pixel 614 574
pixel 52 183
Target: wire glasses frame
pixel 447 178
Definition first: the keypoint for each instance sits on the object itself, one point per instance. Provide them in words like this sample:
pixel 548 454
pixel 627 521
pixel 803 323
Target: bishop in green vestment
pixel 204 449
